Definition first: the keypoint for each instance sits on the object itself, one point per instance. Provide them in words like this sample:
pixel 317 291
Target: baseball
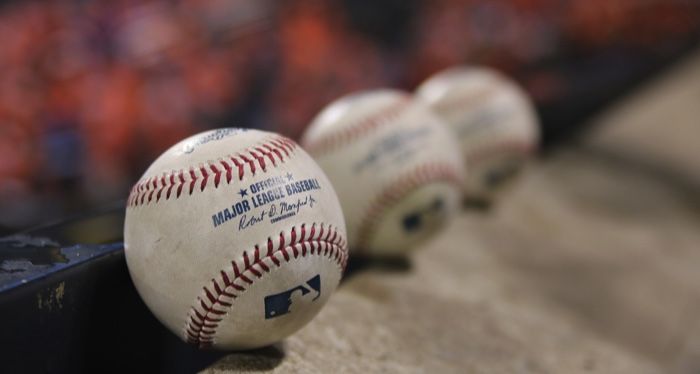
pixel 394 165
pixel 234 238
pixel 492 118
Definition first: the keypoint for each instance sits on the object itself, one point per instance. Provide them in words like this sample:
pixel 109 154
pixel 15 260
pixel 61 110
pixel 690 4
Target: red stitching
pixel 404 184
pixel 356 130
pixel 471 99
pixel 154 188
pixel 204 315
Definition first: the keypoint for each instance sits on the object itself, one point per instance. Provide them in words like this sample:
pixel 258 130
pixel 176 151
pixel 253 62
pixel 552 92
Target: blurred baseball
pixel 492 118
pixel 394 165
pixel 234 238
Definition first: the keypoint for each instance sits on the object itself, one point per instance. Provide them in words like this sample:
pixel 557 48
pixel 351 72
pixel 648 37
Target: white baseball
pixel 234 238
pixel 394 165
pixel 492 118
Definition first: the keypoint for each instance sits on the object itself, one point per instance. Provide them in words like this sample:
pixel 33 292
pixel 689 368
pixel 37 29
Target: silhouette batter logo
pixel 416 220
pixel 284 302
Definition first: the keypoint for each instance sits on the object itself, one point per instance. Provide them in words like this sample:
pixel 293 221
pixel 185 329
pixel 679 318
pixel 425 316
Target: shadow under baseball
pixel 261 359
pixel 358 264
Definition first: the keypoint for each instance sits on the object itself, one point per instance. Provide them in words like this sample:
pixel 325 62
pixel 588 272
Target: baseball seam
pixel 176 182
pixel 356 130
pixel 400 187
pixel 218 298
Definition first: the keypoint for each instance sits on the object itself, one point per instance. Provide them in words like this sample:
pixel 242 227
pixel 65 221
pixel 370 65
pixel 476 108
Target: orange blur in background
pixel 92 91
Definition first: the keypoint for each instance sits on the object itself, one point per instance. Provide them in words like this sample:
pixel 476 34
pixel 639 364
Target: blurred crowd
pixel 92 90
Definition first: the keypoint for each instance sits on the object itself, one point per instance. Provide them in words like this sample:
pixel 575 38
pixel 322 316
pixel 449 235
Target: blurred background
pixel 91 91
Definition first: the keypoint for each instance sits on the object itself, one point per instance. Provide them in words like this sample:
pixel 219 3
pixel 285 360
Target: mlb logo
pixel 282 303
